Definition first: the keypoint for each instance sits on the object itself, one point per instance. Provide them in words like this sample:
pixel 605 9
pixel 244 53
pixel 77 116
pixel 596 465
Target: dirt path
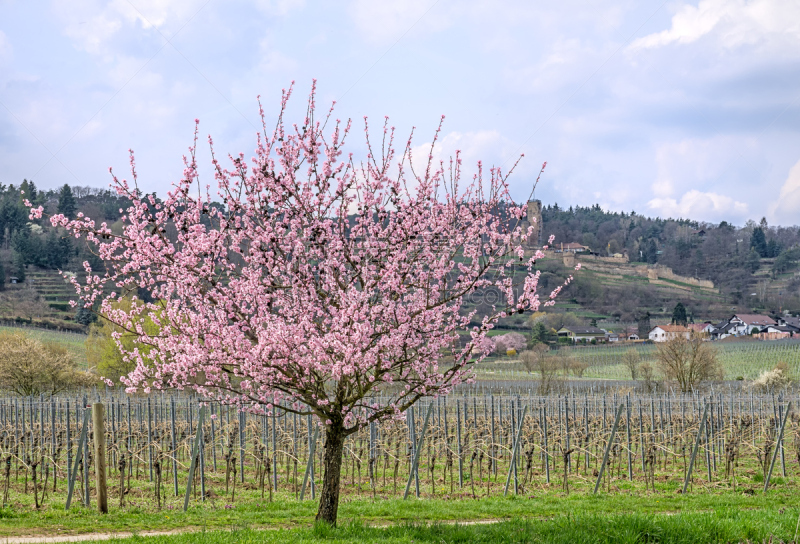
pixel 87 537
pixel 91 537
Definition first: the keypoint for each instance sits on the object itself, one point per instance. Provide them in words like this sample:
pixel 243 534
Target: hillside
pixel 632 264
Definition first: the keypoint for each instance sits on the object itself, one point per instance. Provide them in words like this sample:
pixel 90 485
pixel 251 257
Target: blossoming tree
pixel 319 282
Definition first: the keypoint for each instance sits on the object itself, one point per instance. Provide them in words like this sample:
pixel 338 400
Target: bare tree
pixel 29 367
pixel 775 379
pixel 537 360
pixel 646 371
pixel 568 363
pixel 688 361
pixel 25 303
pixel 631 360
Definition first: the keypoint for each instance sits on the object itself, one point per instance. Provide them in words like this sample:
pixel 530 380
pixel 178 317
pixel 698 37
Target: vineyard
pixel 173 452
pixel 741 359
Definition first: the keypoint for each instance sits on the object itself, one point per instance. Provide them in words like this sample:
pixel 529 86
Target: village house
pixel 582 334
pixel 664 333
pixel 703 329
pixel 742 325
pixel 571 247
pixel 789 321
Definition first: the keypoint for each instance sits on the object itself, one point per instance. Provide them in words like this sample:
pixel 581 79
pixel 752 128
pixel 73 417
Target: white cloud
pixel 786 209
pixel 93 25
pixel 386 21
pixel 279 7
pixel 732 22
pixel 168 15
pixel 692 163
pixel 699 205
pixel 5 48
pixel 487 146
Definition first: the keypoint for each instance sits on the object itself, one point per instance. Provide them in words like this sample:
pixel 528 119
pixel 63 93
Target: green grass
pixel 74 342
pixel 727 525
pixel 140 514
pixel 746 358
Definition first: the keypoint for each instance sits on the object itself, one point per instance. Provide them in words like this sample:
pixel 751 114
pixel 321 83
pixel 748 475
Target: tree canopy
pixel 318 284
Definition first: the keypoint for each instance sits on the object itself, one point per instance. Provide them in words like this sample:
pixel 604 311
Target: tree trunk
pixel 329 499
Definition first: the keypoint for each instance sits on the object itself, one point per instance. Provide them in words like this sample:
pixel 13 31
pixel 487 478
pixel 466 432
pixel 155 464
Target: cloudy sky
pixel 667 108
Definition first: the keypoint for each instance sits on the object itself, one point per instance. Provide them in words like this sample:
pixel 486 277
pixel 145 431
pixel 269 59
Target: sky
pixel 666 108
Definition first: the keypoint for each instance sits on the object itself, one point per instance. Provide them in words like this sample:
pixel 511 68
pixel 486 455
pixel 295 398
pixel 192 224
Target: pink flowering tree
pixel 318 283
pixel 509 341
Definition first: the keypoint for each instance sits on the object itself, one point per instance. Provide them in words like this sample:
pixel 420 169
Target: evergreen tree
pixel 84 316
pixel 758 241
pixel 66 202
pixel 644 326
pixel 773 248
pixel 753 261
pixel 679 314
pixel 19 268
pixel 651 252
pixel 539 334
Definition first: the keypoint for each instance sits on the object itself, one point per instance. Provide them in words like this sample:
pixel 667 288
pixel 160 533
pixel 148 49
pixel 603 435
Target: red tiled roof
pixel 756 319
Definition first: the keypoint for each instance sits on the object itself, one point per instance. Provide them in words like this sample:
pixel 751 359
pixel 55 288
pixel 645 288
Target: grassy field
pixel 773 513
pixel 248 506
pixel 544 518
pixel 744 359
pixel 74 342
pixel 719 526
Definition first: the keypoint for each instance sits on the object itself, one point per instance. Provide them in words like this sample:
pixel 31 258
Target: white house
pixel 663 333
pixel 742 324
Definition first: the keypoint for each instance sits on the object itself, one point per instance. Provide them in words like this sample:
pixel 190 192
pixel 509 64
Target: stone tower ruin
pixel 535 219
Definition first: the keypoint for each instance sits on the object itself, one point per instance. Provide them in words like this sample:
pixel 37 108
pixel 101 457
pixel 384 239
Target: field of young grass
pixel 740 359
pixel 758 514
pixel 723 526
pixel 74 342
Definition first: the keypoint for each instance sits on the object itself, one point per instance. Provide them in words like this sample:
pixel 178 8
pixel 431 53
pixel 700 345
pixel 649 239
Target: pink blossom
pixel 320 282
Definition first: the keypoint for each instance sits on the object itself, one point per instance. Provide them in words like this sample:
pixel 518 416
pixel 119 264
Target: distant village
pixel 755 326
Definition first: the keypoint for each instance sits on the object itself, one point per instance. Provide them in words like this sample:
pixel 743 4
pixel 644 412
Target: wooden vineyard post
pixel 78 456
pixel 242 424
pixel 174 446
pixel 69 445
pixel 86 460
pixel 150 437
pixel 98 425
pixel 515 448
pixel 493 454
pixel 608 447
pixel 417 451
pixel 198 437
pixel 312 443
pixel 458 441
pixel 694 450
pixel 53 443
pixel 778 445
pixel 642 438
pixel 274 450
pixel 546 451
pixel 628 428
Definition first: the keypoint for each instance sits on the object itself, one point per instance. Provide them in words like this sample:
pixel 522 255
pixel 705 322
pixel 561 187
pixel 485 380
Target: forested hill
pixel 734 258
pixel 36 243
pixel 756 258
